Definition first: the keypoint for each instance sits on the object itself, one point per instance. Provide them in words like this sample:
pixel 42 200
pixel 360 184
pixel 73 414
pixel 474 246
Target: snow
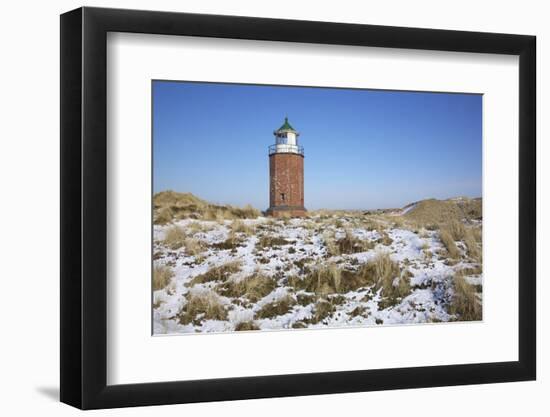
pixel 430 275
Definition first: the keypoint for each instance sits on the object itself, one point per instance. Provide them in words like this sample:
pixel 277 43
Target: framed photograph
pixel 257 208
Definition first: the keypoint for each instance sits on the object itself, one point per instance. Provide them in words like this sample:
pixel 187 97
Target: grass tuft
pixel 200 307
pixel 218 273
pixel 465 302
pixel 254 287
pixel 449 243
pixel 246 326
pixel 276 308
pixel 162 275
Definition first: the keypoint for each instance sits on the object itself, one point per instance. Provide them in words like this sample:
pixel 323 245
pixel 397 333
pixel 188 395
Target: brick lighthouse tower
pixel 286 174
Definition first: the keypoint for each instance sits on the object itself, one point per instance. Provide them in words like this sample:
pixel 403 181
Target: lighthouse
pixel 286 174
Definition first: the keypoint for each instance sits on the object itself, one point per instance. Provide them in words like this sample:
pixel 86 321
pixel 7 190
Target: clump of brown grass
pixel 322 310
pixel 322 280
pixel 270 241
pixel 232 242
pixel 350 244
pixel 253 287
pixel 385 239
pixel 218 273
pixel 246 326
pixel 276 308
pixel 197 227
pixel 238 226
pixel 387 275
pixel 162 275
pixel 456 229
pixel 465 302
pixel 449 243
pixel 474 250
pixel 174 237
pixel 163 216
pixel 330 243
pixel 202 306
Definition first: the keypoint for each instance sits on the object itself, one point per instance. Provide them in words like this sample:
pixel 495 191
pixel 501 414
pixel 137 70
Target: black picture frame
pixel 84 207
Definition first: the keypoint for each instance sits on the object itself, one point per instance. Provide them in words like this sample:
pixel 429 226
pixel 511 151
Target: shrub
pixel 202 306
pixel 465 303
pixel 162 276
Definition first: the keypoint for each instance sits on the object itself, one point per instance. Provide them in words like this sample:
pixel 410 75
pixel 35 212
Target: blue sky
pixel 364 149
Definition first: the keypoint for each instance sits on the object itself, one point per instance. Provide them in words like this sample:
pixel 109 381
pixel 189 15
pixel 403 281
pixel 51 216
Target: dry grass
pixel 276 308
pixel 380 273
pixel 348 244
pixel 202 306
pixel 162 275
pixel 449 243
pixel 270 241
pixel 429 212
pixel 246 326
pixel 218 273
pixel 232 242
pixel 254 287
pixel 456 229
pixel 163 216
pixel 474 249
pixel 176 238
pixel 322 310
pixel 385 239
pixel 170 205
pixel 238 226
pixel 322 280
pixel 465 302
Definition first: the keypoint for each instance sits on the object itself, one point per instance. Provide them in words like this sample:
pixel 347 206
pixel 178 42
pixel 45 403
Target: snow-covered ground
pixel 300 247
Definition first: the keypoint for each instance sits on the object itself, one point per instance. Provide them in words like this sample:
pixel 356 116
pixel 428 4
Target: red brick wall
pixel 286 176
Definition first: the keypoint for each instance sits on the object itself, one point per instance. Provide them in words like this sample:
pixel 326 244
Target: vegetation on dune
pixel 449 243
pixel 319 263
pixel 346 245
pixel 379 273
pixel 443 211
pixel 246 326
pixel 276 308
pixel 253 287
pixel 170 205
pixel 176 238
pixel 202 306
pixel 465 302
pixel 162 275
pixel 218 273
pixel 270 241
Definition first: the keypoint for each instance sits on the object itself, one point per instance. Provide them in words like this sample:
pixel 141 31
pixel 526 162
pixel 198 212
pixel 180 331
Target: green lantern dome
pixel 286 127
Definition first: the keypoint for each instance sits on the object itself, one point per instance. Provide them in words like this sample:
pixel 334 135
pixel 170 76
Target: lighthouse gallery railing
pixel 284 148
